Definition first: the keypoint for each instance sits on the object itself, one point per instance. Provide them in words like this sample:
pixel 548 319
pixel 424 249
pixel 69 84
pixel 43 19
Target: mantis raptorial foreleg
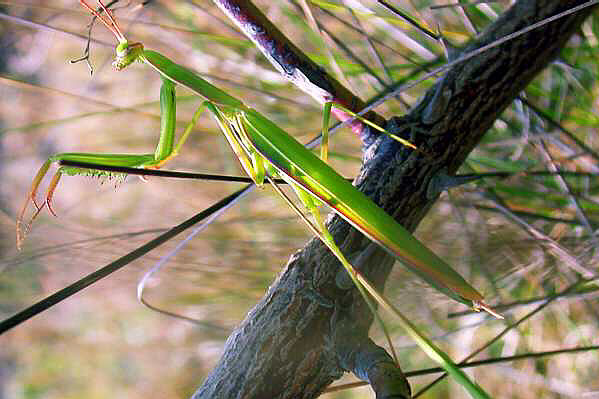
pixel 165 151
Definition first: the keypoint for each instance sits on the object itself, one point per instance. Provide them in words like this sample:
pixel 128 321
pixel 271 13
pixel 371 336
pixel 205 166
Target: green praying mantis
pixel 265 152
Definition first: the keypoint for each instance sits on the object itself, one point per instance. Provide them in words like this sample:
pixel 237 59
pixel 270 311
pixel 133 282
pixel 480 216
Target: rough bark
pixel 293 64
pixel 296 340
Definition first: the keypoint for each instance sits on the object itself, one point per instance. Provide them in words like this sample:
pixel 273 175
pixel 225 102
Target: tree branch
pixel 293 64
pixel 294 341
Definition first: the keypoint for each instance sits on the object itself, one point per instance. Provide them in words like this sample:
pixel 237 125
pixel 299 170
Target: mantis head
pixel 126 53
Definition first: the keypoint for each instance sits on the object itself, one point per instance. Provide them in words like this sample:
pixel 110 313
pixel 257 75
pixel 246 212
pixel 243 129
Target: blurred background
pixel 522 240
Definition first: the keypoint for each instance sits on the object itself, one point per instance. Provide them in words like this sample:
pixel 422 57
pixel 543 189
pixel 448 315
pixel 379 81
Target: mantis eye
pixel 122 49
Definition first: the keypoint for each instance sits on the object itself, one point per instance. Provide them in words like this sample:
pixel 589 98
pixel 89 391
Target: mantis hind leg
pixel 320 230
pixel 325 130
pixel 324 144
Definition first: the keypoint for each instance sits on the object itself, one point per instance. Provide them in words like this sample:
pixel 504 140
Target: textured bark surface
pixel 289 344
pixel 292 63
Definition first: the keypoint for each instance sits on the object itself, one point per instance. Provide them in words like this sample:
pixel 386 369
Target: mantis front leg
pixel 165 151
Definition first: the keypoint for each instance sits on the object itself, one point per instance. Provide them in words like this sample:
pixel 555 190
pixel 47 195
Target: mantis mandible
pixel 265 151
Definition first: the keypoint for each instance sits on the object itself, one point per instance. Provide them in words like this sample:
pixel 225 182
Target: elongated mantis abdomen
pixel 305 168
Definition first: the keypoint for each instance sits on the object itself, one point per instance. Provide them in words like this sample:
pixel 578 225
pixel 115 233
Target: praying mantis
pixel 265 151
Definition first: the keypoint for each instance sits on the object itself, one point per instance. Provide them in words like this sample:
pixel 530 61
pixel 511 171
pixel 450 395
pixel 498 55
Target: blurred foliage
pixel 520 238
